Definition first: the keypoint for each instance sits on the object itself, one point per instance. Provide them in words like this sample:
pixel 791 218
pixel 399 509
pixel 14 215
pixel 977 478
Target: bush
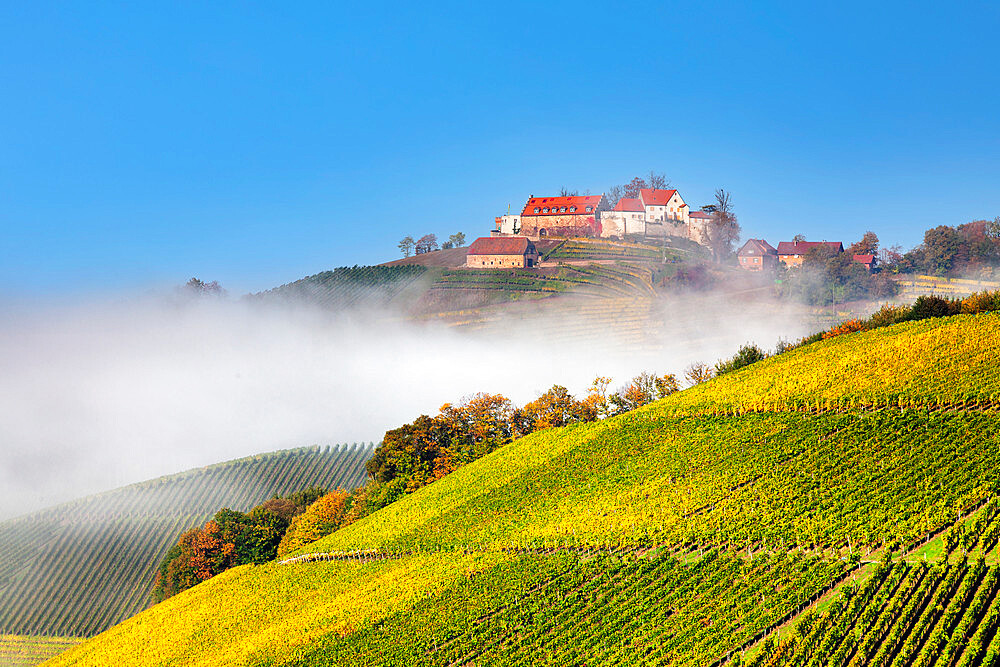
pixel 748 354
pixel 981 302
pixel 933 306
pixel 850 326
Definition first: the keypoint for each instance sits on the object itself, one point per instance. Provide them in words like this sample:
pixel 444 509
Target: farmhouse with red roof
pixel 502 253
pixel 792 253
pixel 757 255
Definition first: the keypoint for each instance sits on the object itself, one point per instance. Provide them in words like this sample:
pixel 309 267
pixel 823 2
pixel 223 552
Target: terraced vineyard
pixel 79 568
pixel 591 249
pixel 689 532
pixel 347 286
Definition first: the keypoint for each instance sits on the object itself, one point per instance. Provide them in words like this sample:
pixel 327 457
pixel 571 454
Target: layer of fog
pixel 101 394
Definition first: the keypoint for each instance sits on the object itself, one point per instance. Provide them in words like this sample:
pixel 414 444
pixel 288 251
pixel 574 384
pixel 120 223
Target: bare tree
pixel 614 195
pixel 406 245
pixel 799 238
pixel 631 189
pixel 564 192
pixel 723 229
pixel 657 181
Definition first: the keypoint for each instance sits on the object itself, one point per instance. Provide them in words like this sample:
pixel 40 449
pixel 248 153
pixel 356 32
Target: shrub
pixel 748 354
pixel 850 326
pixel 933 306
pixel 981 302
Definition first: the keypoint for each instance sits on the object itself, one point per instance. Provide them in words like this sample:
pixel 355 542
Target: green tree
pixel 457 240
pixel 406 245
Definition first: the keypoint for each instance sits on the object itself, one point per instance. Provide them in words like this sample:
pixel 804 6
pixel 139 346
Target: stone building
pixel 502 253
pixel 563 216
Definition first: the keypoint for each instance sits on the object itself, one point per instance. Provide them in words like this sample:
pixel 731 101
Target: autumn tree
pixel 595 405
pixel 426 243
pixel 556 407
pixel 697 373
pixel 476 426
pixel 200 554
pixel 667 385
pixel 639 391
pixel 868 245
pixel 319 520
pixel 406 245
pixel 723 229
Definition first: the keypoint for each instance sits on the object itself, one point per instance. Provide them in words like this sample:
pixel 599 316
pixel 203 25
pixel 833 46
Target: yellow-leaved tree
pixel 319 520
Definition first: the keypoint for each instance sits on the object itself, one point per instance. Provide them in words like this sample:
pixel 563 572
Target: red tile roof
pixel 651 197
pixel 501 245
pixel 629 204
pixel 580 202
pixel 757 247
pixel 864 259
pixel 700 214
pixel 802 247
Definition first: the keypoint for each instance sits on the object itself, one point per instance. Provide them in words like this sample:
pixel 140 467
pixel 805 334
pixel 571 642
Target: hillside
pixel 685 533
pixel 76 569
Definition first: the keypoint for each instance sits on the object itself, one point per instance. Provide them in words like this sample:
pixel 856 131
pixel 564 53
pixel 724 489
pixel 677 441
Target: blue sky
pixel 254 144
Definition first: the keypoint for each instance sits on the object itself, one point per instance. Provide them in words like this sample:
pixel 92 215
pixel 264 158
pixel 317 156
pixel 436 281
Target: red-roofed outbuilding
pixel 502 253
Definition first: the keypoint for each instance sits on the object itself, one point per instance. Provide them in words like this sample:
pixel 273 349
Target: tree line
pixel 429 243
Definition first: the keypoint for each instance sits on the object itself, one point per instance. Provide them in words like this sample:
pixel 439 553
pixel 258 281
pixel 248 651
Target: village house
pixel 757 255
pixel 792 253
pixel 867 261
pixel 502 253
pixel 627 217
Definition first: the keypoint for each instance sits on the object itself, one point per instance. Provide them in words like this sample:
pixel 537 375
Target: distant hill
pixel 346 287
pixel 78 568
pixel 834 505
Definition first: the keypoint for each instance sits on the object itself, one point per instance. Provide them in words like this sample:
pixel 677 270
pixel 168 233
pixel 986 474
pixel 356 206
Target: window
pixel 572 209
pixel 537 210
pixel 589 209
pixel 545 210
pixel 562 209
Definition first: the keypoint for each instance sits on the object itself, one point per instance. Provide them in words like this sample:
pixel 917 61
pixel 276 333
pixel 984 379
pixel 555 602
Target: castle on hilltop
pixel 655 213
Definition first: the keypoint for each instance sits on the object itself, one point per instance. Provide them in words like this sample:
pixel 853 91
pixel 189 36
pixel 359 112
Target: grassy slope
pixel 657 475
pixel 25 650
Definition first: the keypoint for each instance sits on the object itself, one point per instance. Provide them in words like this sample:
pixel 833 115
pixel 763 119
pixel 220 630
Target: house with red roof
pixel 627 217
pixel 867 261
pixel 757 255
pixel 512 252
pixel 792 253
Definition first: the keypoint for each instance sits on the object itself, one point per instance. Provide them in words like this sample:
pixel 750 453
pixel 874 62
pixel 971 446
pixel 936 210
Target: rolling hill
pixel 833 505
pixel 76 569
